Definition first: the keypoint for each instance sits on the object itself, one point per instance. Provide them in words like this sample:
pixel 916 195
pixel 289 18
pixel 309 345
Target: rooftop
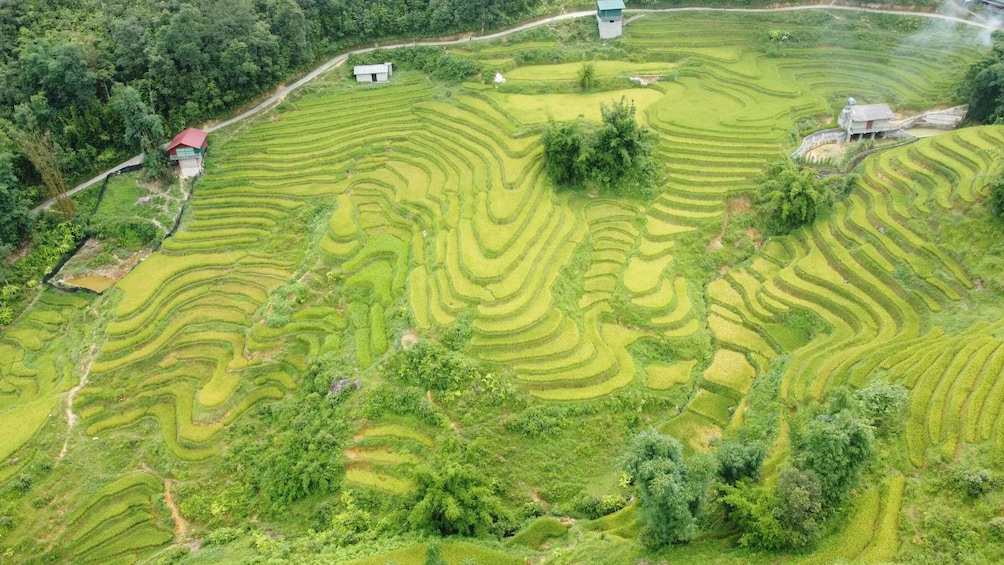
pixel 870 112
pixel 610 4
pixel 371 69
pixel 191 137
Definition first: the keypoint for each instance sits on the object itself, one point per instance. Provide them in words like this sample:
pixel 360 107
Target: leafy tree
pixel 15 218
pixel 787 197
pixel 622 159
pixel 775 518
pixel 454 498
pixel 740 459
pixel 294 449
pixel 57 66
pixel 834 446
pixel 617 155
pixel 567 151
pixel 44 155
pixel 883 403
pixel 995 189
pixel 752 509
pixel 669 491
pixel 983 85
pixel 800 502
pixel 432 366
pixel 587 76
pixel 144 130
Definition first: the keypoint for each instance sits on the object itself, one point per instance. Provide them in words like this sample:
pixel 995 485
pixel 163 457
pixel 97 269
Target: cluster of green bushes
pixel 293 448
pixel 53 238
pixel 787 197
pixel 983 85
pixel 618 156
pixel 831 446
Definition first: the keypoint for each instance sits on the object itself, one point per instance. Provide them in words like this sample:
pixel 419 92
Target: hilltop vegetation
pixel 382 336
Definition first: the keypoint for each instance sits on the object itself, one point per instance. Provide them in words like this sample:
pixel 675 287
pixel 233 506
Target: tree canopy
pixel 983 85
pixel 15 219
pixel 787 197
pixel 455 498
pixel 187 61
pixel 669 491
pixel 617 156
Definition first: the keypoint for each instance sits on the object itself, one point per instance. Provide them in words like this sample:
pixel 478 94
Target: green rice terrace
pixel 383 278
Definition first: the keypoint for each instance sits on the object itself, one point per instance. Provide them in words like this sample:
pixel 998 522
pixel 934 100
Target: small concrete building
pixel 188 148
pixel 866 119
pixel 610 17
pixel 373 73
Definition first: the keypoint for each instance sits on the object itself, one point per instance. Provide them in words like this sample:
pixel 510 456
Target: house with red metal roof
pixel 188 148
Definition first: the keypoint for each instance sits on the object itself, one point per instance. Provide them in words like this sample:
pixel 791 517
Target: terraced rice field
pixel 443 203
pixel 437 208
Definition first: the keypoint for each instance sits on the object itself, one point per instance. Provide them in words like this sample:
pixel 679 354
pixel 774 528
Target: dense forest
pixel 60 59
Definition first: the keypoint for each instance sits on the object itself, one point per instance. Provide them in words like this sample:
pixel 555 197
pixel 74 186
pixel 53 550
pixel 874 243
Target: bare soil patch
pixel 835 151
pixel 409 339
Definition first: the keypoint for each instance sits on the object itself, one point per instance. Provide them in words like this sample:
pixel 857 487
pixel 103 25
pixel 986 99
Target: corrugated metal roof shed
pixel 191 137
pixel 371 69
pixel 871 112
pixel 610 4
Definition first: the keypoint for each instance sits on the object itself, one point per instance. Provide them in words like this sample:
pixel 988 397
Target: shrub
pixel 537 421
pixel 739 459
pixel 835 447
pixel 617 156
pixel 455 499
pixel 670 491
pixel 772 519
pixel 593 507
pixel 787 197
pixel 995 190
pixel 997 527
pixel 432 366
pixel 972 483
pixel 883 403
pixel 587 76
pixel 457 336
pixel 221 536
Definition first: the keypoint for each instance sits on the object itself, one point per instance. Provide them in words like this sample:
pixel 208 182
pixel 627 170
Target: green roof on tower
pixel 610 4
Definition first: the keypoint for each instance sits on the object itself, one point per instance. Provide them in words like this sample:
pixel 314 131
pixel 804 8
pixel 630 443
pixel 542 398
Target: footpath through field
pixel 281 94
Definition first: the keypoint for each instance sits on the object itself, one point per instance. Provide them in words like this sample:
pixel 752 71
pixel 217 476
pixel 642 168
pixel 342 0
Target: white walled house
pixel 610 18
pixel 866 119
pixel 373 73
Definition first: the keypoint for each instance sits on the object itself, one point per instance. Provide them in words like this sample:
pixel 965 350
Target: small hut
pixel 188 148
pixel 610 17
pixel 373 73
pixel 867 119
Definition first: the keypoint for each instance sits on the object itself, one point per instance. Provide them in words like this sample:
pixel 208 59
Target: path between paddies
pixel 281 94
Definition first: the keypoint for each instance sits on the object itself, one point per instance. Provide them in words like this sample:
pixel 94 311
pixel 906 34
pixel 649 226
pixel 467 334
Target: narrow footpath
pixel 280 95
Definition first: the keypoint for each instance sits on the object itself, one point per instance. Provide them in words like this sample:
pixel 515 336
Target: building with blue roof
pixel 610 17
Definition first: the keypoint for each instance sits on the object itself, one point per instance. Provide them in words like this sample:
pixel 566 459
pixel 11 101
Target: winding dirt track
pixel 337 61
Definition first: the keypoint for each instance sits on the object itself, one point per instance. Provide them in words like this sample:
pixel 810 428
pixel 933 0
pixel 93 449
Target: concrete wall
pixel 380 77
pixel 608 29
pixel 190 168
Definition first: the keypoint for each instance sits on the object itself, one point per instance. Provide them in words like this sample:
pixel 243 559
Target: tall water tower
pixel 610 17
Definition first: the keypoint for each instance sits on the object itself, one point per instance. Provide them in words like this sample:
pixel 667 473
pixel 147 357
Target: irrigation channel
pixel 281 94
